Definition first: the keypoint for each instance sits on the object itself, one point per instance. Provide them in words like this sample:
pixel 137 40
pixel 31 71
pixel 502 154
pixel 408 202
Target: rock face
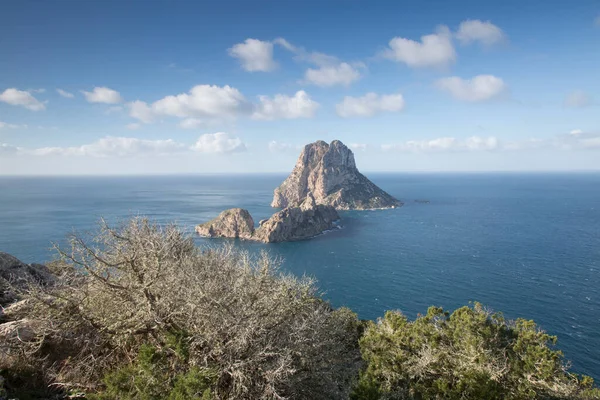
pixel 289 224
pixel 297 223
pixel 17 274
pixel 232 223
pixel 329 172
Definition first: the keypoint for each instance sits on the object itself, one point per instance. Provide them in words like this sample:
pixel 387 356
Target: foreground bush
pixel 141 313
pixel 471 354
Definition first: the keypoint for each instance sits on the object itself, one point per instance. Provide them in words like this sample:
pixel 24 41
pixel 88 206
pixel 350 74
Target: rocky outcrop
pixel 15 274
pixel 329 172
pixel 289 224
pixel 15 327
pixel 23 330
pixel 297 223
pixel 232 223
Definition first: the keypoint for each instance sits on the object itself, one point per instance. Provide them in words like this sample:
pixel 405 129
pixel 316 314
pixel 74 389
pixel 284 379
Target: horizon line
pixel 158 174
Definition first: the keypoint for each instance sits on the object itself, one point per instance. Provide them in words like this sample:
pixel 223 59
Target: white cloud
pixel 479 88
pixel 475 30
pixel 369 105
pixel 330 72
pixel 278 147
pixel 434 50
pixel 64 93
pixel 300 54
pixel 358 146
pixel 219 142
pixel 6 125
pixel 103 95
pixel 22 98
pixel 192 123
pixel 254 55
pixel 40 90
pixel 578 99
pixel 342 74
pixel 141 111
pixel 285 107
pixel 442 144
pixel 576 132
pixel 285 44
pixel 115 147
pixel 206 104
pixel 203 101
pixel 133 126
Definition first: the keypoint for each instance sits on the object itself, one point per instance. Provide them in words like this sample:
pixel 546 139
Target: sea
pixel 524 244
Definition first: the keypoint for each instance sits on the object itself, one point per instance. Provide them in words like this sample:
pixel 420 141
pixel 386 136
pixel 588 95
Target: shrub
pixel 151 377
pixel 471 354
pixel 143 302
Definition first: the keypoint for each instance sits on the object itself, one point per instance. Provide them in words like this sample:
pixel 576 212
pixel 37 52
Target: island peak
pixel 329 173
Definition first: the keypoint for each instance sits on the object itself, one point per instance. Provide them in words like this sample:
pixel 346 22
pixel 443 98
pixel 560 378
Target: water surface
pixel 524 244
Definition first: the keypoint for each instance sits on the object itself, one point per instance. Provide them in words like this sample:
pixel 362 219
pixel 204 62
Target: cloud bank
pixel 110 146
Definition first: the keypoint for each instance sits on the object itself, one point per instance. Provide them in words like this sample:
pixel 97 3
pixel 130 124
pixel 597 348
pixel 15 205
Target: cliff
pixel 297 223
pixel 329 172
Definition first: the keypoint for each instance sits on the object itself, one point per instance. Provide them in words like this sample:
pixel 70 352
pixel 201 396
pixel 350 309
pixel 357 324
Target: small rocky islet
pixel 324 180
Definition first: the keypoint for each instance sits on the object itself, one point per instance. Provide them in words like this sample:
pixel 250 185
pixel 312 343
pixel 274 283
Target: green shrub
pixel 151 377
pixel 471 354
pixel 195 384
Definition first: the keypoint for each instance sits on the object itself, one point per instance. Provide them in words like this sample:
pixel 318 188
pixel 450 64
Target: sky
pixel 164 87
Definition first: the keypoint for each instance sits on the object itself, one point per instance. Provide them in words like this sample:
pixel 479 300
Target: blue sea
pixel 524 244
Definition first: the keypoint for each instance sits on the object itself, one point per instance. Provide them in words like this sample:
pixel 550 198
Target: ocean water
pixel 524 244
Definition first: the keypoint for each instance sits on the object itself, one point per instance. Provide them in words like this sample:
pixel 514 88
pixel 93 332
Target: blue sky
pixel 240 86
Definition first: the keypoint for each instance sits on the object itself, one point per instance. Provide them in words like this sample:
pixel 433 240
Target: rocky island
pixel 325 179
pixel 289 224
pixel 329 172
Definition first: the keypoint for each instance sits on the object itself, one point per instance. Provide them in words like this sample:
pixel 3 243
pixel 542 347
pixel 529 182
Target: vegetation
pixel 470 354
pixel 141 313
